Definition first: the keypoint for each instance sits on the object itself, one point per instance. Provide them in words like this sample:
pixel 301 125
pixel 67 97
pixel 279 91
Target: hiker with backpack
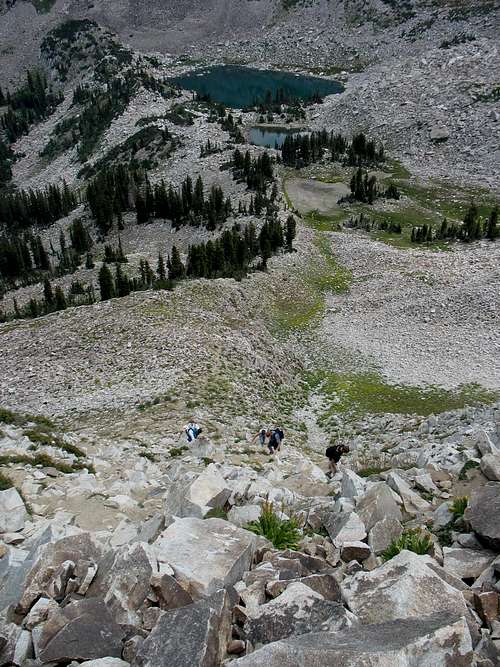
pixel 192 431
pixel 276 438
pixel 334 454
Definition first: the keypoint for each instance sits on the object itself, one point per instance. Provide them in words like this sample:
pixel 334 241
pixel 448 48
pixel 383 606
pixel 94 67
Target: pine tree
pixel 161 270
pixel 48 294
pixel 492 225
pixel 106 284
pixel 176 269
pixel 122 282
pixel 60 299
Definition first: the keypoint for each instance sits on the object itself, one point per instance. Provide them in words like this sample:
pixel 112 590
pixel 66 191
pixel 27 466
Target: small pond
pixel 239 87
pixel 270 137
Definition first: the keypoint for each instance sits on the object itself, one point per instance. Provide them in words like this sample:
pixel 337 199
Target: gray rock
pixel 383 534
pixel 150 529
pixel 188 497
pixel 205 555
pixel 376 504
pixel 355 551
pixel 82 630
pixel 466 563
pixel 105 662
pixel 49 574
pixel 442 516
pixel 485 444
pixel 324 584
pixel 123 580
pixel 352 485
pixel 439 133
pixel 483 514
pixel 412 502
pixel 298 610
pixel 345 527
pixel 193 636
pixel 440 640
pixel 24 648
pixel 170 593
pixel 241 516
pixel 407 586
pixel 13 513
pixel 490 467
pixel 9 636
pixel 425 483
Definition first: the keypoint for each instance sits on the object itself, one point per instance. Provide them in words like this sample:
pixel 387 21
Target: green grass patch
pixel 370 394
pixel 177 451
pixel 470 465
pixel 39 436
pixel 325 223
pixel 147 455
pixel 19 419
pixel 283 533
pixel 45 461
pixel 458 506
pixel 415 540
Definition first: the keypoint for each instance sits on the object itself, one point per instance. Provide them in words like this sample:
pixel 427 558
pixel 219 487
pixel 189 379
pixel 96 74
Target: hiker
pixel 192 431
pixel 262 435
pixel 276 438
pixel 334 454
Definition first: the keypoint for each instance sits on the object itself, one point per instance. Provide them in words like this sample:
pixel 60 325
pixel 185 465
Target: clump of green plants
pixel 7 416
pixel 470 465
pixel 458 506
pixel 216 513
pixel 283 533
pixel 147 455
pixel 45 461
pixel 414 539
pixel 40 436
pixel 177 451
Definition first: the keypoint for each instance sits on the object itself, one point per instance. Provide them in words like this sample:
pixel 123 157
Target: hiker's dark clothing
pixel 334 453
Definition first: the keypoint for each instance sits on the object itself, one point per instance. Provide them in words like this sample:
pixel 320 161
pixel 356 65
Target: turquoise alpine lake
pixel 238 87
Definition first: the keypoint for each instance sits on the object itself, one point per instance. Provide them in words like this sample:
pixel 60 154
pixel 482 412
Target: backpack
pixel 332 451
pixel 280 434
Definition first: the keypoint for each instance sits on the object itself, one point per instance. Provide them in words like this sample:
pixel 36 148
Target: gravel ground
pixel 421 316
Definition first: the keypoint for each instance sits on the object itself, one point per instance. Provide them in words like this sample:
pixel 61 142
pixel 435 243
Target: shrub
pixel 41 437
pixel 414 539
pixel 148 456
pixel 7 416
pixel 459 506
pixel 283 533
pixel 177 451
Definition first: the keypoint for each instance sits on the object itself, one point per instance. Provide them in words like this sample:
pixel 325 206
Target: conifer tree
pixel 48 294
pixel 161 270
pixel 60 300
pixel 176 269
pixel 492 225
pixel 121 282
pixel 106 284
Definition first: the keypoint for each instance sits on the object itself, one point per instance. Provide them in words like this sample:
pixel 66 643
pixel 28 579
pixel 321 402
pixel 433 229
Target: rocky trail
pixel 147 560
